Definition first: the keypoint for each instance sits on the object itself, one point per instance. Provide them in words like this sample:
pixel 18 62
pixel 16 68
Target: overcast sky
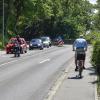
pixel 93 1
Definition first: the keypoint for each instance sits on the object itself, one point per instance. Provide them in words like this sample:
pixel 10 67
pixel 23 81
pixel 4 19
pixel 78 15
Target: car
pixel 58 41
pixel 46 41
pixel 36 43
pixel 10 45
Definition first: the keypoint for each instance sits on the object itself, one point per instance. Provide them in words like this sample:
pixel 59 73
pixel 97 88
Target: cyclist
pixel 16 47
pixel 18 39
pixel 80 46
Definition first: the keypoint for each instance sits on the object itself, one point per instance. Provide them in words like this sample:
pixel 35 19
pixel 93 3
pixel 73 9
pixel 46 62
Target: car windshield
pixel 45 38
pixel 58 38
pixel 35 40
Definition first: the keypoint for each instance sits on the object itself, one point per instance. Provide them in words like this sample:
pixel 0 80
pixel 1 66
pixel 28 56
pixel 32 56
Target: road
pixel 31 76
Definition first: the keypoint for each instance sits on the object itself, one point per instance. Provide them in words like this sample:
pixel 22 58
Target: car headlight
pixel 30 44
pixel 39 44
pixel 45 42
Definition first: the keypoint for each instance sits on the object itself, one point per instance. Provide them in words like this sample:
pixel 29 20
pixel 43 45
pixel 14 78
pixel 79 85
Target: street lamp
pixel 3 27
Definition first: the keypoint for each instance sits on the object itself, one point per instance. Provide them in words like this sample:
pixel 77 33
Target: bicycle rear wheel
pixel 80 65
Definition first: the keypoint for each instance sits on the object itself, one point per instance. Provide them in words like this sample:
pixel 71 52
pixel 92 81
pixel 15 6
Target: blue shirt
pixel 80 43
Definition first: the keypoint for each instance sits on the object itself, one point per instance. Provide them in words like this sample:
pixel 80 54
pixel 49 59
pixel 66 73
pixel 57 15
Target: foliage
pixel 96 56
pixel 33 18
pixel 1 13
pixel 93 36
pixel 96 17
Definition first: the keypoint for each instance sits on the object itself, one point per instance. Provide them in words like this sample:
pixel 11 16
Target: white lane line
pixel 44 61
pixel 8 63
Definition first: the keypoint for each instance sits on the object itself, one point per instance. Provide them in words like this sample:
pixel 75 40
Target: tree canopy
pixel 32 18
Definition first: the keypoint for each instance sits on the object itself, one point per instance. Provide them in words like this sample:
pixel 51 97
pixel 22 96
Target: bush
pixel 96 57
pixel 6 39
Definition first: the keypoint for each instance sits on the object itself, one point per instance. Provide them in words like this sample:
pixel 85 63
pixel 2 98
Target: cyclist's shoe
pixel 76 69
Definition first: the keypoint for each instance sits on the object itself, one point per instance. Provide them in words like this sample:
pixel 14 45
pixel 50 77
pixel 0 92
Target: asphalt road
pixel 31 76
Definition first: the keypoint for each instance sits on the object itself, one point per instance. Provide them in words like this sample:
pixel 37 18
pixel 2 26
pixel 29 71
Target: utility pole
pixel 3 36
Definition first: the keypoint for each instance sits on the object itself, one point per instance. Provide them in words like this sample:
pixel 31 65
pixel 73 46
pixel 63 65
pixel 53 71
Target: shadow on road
pixel 90 68
pixel 75 77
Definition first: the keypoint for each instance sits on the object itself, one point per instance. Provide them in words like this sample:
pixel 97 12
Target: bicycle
pixel 80 56
pixel 80 67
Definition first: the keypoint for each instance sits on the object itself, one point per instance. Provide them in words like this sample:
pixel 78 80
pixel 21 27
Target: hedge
pixel 96 57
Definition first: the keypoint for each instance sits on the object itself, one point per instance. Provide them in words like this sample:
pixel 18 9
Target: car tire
pixel 41 48
pixel 48 46
pixel 25 51
pixel 30 48
pixel 7 52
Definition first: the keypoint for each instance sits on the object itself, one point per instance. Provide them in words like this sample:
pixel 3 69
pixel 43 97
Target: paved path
pixel 73 88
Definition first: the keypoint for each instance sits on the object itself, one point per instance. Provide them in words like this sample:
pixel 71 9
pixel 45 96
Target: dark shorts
pixel 80 56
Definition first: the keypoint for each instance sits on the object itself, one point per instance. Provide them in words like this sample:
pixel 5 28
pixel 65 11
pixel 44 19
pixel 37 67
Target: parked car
pixel 36 43
pixel 46 41
pixel 10 45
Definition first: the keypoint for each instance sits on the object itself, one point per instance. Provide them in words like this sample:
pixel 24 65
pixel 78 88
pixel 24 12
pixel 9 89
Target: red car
pixel 23 44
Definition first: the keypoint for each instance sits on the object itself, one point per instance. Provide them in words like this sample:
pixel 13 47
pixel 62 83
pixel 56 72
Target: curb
pixel 96 94
pixel 58 82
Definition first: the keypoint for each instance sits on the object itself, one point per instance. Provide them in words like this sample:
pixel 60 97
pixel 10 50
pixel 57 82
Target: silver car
pixel 46 41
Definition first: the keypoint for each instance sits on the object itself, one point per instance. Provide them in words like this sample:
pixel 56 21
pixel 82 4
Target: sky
pixel 93 1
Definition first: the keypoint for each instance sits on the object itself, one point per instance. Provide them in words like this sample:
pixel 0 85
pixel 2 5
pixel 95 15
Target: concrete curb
pixel 58 82
pixel 96 94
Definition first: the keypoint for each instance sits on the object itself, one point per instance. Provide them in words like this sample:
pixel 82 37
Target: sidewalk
pixel 73 88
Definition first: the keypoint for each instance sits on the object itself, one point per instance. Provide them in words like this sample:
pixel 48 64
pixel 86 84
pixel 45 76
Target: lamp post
pixel 3 27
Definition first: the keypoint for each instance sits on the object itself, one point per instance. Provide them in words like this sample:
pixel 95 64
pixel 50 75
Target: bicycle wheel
pixel 80 65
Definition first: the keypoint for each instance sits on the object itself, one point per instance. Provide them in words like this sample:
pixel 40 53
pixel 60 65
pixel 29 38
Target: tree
pixel 31 18
pixel 1 15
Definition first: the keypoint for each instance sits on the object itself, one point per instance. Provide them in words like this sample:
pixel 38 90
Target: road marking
pixel 44 60
pixel 56 87
pixel 24 58
pixel 8 62
pixel 58 83
pixel 27 56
